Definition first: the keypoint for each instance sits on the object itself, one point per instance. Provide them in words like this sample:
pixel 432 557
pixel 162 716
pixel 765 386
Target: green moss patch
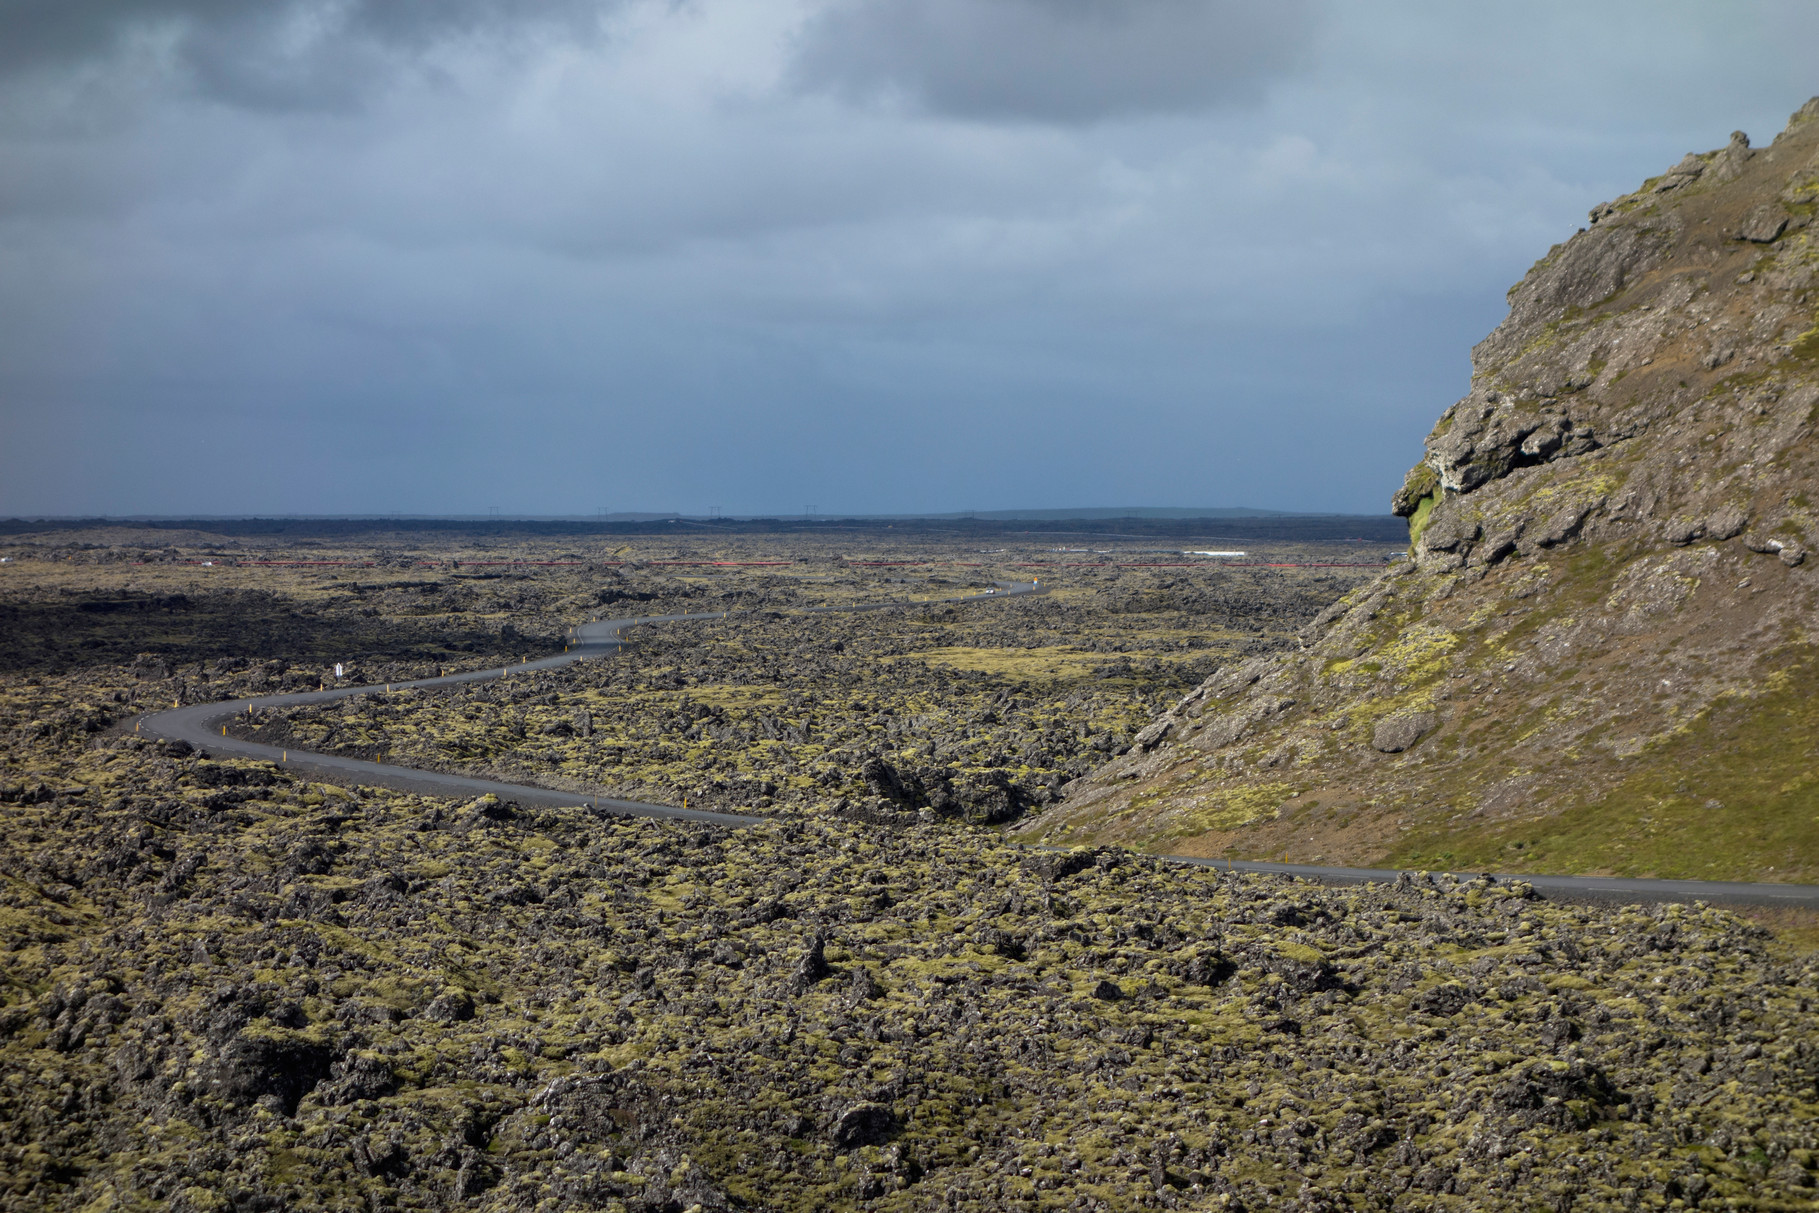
pixel 1733 795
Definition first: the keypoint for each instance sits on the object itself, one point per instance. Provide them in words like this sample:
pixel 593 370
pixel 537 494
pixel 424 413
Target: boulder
pixel 454 1006
pixel 862 1124
pixel 813 966
pixel 1397 733
pixel 1764 224
pixel 280 1065
pixel 1726 522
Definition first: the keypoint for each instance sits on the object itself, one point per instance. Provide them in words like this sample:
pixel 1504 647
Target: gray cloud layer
pixel 275 54
pixel 759 253
pixel 1054 60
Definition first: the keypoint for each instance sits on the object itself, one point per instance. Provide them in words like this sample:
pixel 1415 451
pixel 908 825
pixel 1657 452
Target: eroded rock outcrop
pixel 1598 656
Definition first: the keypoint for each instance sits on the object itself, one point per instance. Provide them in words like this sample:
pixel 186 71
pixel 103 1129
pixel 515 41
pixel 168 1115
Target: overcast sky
pixel 435 256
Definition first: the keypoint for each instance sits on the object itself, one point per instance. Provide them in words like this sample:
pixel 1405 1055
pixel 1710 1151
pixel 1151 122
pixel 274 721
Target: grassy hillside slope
pixel 1600 658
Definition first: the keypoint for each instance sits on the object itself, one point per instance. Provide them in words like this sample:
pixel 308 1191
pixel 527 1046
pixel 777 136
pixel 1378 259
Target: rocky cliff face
pixel 1601 654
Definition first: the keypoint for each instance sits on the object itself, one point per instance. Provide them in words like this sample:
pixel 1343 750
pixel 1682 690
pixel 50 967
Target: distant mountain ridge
pixel 1186 525
pixel 1097 512
pixel 1131 511
pixel 1604 655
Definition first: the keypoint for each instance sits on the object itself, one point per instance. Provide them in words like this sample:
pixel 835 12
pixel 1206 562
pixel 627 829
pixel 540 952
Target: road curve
pixel 201 725
pixel 1556 888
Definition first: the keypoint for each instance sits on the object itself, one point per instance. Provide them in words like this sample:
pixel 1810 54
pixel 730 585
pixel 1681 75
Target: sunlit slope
pixel 1601 656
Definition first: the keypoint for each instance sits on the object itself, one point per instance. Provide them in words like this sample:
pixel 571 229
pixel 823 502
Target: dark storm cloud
pixel 1054 60
pixel 333 255
pixel 268 53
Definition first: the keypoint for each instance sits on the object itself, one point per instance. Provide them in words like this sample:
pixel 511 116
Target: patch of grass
pixel 1049 663
pixel 1424 512
pixel 726 695
pixel 1806 346
pixel 1733 796
pixel 1796 930
pixel 1418 652
pixel 1232 808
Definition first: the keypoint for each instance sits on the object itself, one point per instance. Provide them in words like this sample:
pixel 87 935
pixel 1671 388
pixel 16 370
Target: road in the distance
pixel 201 726
pixel 1558 888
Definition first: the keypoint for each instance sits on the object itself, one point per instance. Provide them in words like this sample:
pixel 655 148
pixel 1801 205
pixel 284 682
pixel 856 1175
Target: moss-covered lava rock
pixel 298 996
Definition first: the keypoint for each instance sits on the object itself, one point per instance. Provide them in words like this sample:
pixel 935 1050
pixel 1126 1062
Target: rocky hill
pixel 1600 656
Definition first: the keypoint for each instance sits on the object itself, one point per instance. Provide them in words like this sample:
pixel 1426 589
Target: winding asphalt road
pixel 1556 888
pixel 201 725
